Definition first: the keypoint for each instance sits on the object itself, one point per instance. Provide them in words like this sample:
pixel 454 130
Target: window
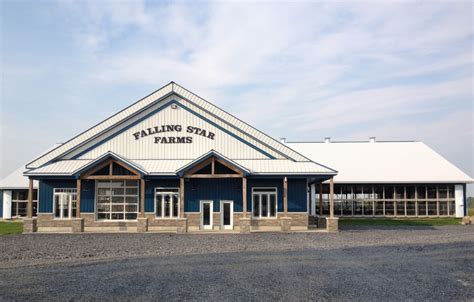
pixel 117 199
pixel 65 203
pixel 264 202
pixel 422 208
pixel 20 203
pixel 167 202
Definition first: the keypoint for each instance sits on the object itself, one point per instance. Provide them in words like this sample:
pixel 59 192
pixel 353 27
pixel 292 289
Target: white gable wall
pixel 125 144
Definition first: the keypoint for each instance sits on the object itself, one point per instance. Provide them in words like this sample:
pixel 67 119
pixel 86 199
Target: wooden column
pixel 29 208
pixel 244 197
pixel 285 196
pixel 181 197
pixel 142 198
pixel 78 198
pixel 331 197
pixel 321 199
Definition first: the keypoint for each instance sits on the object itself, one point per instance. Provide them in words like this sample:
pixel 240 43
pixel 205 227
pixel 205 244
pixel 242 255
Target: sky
pixel 350 70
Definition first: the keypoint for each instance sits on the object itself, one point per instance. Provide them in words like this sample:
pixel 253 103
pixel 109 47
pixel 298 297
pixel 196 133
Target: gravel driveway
pixel 359 264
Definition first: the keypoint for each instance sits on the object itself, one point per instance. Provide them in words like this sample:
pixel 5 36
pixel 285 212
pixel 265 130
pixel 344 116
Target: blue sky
pixel 301 70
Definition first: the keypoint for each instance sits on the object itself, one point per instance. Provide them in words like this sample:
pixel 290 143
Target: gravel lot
pixel 358 264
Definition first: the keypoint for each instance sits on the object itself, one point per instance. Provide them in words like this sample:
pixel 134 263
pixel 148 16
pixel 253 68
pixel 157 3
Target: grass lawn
pixel 400 221
pixel 11 227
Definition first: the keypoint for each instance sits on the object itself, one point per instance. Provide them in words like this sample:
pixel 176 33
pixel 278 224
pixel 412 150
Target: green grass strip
pixel 11 227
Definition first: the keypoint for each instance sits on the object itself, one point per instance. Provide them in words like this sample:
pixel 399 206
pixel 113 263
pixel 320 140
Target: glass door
pixel 227 213
pixel 206 215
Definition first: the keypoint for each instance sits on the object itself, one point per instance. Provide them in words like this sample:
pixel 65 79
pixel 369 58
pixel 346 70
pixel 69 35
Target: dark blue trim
pixel 161 108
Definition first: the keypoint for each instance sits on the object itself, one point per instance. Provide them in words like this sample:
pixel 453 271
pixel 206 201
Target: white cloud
pixel 302 69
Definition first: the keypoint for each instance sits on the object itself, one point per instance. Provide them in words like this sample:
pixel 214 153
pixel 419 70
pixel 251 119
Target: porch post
pixel 244 221
pixel 30 199
pixel 142 221
pixel 29 223
pixel 78 222
pixel 78 198
pixel 332 223
pixel 285 222
pixel 331 197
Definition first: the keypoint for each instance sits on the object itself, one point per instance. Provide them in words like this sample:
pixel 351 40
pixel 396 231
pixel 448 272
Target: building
pixel 379 178
pixel 14 195
pixel 174 162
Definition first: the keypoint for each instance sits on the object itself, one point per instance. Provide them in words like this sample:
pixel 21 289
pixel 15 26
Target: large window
pixel 389 200
pixel 20 203
pixel 117 199
pixel 264 202
pixel 167 202
pixel 65 203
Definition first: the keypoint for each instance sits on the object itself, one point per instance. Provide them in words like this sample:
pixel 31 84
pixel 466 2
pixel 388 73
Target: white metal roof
pixel 366 162
pixel 237 125
pixel 16 180
pixel 170 167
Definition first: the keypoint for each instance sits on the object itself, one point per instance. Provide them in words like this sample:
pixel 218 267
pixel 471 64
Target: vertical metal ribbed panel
pixel 126 145
pixel 107 127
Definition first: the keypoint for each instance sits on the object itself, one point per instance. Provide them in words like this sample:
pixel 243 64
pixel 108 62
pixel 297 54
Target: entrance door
pixel 206 214
pixel 227 214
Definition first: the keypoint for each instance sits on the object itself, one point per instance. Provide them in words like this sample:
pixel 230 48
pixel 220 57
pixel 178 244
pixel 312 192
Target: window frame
pixel 110 212
pixel 162 202
pixel 74 193
pixel 270 190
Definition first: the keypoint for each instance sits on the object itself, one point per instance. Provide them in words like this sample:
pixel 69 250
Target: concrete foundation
pixel 77 225
pixel 285 223
pixel 182 225
pixel 29 225
pixel 245 225
pixel 332 224
pixel 142 224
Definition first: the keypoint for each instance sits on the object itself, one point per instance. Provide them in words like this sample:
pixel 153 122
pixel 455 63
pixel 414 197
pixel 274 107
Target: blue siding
pixel 87 196
pixel 212 189
pixel 150 186
pixel 275 182
pixel 297 195
pixel 297 192
pixel 1 203
pixel 46 191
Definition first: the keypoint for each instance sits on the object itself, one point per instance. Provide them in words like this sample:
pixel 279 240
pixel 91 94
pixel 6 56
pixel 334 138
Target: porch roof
pixel 166 167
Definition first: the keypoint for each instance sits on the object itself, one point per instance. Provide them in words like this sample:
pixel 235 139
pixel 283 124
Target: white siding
pixel 113 123
pixel 127 146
